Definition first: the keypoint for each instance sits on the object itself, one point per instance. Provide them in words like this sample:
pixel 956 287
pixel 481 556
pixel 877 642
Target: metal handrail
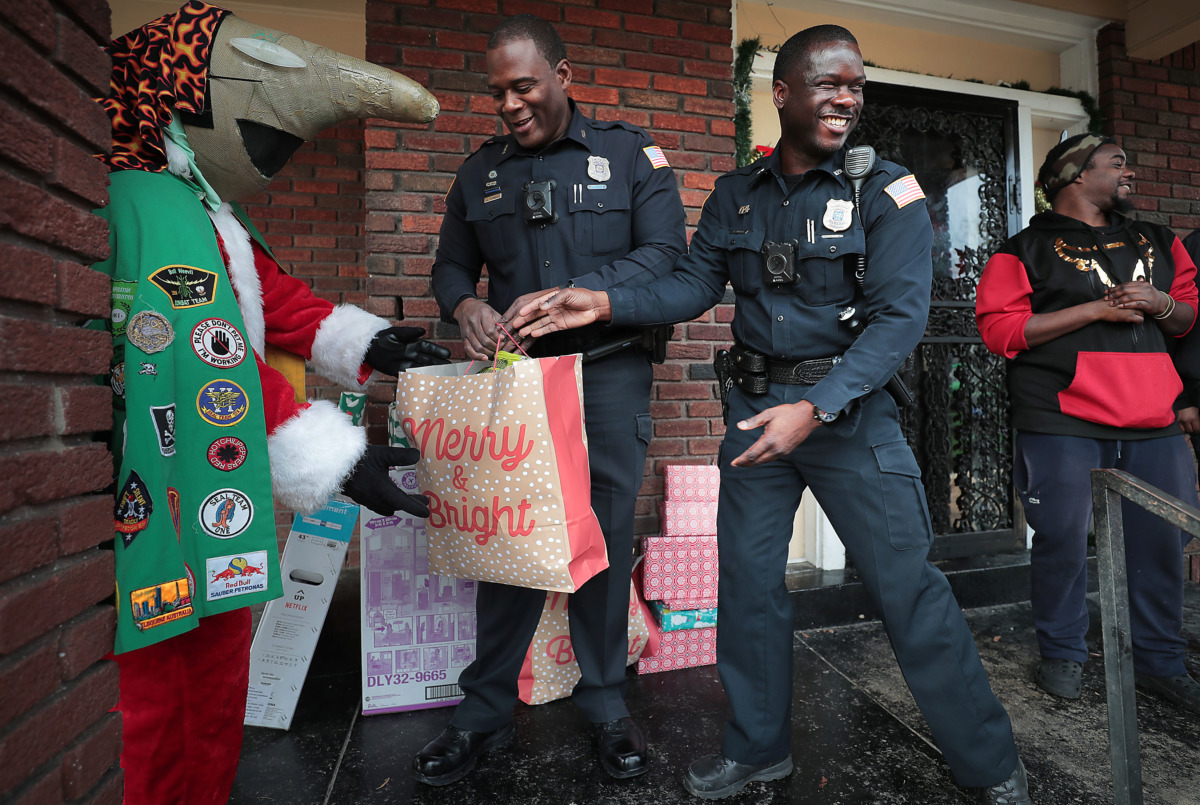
pixel 1108 488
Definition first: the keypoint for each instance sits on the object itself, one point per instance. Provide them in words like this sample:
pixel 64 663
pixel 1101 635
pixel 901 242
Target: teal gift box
pixel 671 620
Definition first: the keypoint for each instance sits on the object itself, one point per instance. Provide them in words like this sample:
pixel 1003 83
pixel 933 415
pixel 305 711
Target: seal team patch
pixel 227 453
pixel 187 286
pixel 226 513
pixel 218 343
pixel 164 427
pixel 222 403
pixel 134 506
pixel 149 331
pixel 161 603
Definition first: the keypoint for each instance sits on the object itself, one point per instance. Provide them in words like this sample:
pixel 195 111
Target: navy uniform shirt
pixel 620 218
pixel 755 204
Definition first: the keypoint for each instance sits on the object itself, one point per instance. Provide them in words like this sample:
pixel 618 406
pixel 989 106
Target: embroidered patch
pixel 218 343
pixel 122 300
pixel 905 191
pixel 164 427
pixel 117 379
pixel 227 453
pixel 173 508
pixel 186 285
pixel 838 214
pixel 133 508
pixel 226 513
pixel 656 157
pixel 237 574
pixel 149 331
pixel 599 169
pixel 148 369
pixel 222 403
pixel 161 603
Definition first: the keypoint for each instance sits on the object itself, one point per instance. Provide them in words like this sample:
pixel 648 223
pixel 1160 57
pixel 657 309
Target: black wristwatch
pixel 824 417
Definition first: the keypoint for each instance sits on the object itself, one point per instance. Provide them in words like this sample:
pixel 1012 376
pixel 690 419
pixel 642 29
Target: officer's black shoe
pixel 717 777
pixel 447 758
pixel 1059 677
pixel 621 748
pixel 1181 689
pixel 1013 791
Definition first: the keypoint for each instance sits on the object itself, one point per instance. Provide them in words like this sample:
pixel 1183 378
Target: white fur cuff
pixel 312 454
pixel 341 343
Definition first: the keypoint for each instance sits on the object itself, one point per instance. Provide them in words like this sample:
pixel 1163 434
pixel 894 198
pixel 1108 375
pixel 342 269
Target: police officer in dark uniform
pixel 561 200
pixel 810 413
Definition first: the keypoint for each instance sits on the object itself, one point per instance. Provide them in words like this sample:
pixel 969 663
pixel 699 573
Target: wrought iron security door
pixel 961 149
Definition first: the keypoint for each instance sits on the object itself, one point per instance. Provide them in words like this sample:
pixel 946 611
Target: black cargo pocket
pixel 496 226
pixel 903 497
pixel 645 427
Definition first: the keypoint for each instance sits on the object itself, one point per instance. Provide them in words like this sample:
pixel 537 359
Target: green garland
pixel 743 141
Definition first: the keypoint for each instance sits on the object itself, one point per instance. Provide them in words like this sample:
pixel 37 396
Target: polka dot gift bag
pixel 504 462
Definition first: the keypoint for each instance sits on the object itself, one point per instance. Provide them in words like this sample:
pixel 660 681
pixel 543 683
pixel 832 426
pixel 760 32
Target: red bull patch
pixel 222 403
pixel 161 603
pixel 226 513
pixel 236 574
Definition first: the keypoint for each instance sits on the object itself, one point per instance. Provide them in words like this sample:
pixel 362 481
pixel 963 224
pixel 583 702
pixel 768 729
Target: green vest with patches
pixel 193 514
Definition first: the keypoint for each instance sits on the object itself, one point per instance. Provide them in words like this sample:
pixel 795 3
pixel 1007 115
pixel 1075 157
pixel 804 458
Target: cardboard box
pixel 418 628
pixel 672 620
pixel 680 571
pixel 290 626
pixel 689 518
pixel 688 648
pixel 692 482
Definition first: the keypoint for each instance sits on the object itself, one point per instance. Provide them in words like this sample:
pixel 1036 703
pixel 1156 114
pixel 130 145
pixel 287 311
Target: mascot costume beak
pixel 205 109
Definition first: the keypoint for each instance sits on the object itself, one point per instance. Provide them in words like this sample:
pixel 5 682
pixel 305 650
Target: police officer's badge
pixel 598 169
pixel 837 214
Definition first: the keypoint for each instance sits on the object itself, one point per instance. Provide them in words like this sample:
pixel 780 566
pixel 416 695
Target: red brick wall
pixel 312 217
pixel 664 66
pixel 58 742
pixel 1154 107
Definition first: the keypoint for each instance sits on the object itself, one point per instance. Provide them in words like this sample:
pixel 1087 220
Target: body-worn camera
pixel 779 265
pixel 539 202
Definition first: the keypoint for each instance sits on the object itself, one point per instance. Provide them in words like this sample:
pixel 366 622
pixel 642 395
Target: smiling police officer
pixel 561 200
pixel 809 412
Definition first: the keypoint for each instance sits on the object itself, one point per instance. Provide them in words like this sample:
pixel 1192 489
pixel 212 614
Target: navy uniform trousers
pixel 867 481
pixel 616 393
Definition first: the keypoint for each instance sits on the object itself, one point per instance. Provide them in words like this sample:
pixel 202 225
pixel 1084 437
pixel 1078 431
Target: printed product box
pixel 672 620
pixel 418 627
pixel 290 626
pixel 680 571
pixel 689 518
pixel 692 482
pixel 687 648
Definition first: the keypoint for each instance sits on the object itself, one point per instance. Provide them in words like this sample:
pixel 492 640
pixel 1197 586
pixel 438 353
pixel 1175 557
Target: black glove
pixel 371 486
pixel 398 348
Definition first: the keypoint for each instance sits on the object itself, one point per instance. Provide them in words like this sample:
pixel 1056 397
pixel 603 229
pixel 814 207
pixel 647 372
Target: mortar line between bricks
pixel 337 766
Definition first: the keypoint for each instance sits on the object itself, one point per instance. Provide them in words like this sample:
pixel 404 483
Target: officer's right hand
pixel 477 321
pixel 563 309
pixel 784 428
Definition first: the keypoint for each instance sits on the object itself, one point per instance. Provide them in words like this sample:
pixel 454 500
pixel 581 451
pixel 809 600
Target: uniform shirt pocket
pixel 599 218
pixel 744 248
pixel 496 226
pixel 903 496
pixel 826 268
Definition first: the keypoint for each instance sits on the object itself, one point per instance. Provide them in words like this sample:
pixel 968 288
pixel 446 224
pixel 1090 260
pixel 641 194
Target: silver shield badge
pixel 598 169
pixel 838 214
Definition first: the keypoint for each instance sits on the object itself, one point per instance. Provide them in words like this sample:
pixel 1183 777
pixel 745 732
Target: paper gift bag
pixel 550 671
pixel 505 465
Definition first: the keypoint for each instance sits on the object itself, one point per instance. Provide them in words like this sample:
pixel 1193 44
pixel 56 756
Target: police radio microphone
pixel 858 164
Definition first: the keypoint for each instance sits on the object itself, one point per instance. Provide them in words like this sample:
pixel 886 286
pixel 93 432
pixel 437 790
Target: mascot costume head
pixel 205 109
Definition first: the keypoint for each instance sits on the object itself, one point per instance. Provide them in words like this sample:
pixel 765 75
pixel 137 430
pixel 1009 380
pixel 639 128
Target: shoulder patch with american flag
pixel 905 190
pixel 656 157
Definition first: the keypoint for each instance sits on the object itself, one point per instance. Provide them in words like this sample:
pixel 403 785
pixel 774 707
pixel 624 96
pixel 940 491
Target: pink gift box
pixel 692 482
pixel 689 518
pixel 682 571
pixel 688 648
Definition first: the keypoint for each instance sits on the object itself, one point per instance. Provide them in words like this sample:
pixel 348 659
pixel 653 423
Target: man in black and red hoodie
pixel 1083 302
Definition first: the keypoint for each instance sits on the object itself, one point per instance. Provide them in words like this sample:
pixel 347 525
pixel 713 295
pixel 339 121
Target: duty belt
pixel 752 372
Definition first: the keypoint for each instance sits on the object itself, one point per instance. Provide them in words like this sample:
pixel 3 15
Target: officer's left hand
pixel 396 349
pixel 785 427
pixel 514 310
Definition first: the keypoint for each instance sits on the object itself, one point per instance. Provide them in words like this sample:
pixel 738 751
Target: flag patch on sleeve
pixel 656 157
pixel 905 191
